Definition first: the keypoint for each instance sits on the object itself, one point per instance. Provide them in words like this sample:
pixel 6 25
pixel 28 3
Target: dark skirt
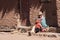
pixel 38 30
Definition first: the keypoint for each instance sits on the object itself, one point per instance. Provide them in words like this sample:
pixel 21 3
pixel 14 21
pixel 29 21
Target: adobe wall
pixel 7 8
pixel 30 9
pixel 58 11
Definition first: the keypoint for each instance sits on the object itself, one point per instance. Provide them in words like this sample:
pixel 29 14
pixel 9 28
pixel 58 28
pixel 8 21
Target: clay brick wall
pixel 58 11
pixel 9 7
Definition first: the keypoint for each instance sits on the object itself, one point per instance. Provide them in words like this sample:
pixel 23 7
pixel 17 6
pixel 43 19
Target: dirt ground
pixel 24 36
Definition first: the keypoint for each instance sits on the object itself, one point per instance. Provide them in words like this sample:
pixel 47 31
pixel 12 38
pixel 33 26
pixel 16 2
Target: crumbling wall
pixel 7 12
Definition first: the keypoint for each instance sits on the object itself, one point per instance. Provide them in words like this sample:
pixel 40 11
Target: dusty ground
pixel 24 36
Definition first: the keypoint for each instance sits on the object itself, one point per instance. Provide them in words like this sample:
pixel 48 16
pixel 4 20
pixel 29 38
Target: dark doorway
pixel 23 7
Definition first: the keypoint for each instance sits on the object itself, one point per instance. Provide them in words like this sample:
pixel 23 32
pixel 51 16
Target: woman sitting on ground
pixel 38 26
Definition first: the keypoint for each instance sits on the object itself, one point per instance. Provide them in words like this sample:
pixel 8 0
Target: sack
pixel 33 29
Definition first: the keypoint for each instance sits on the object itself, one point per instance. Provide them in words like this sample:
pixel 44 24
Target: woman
pixel 43 22
pixel 38 26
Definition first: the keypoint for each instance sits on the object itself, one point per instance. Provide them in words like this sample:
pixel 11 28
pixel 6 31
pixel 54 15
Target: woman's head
pixel 37 21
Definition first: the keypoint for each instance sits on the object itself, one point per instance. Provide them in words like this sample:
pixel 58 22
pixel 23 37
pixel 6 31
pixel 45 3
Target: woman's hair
pixel 39 16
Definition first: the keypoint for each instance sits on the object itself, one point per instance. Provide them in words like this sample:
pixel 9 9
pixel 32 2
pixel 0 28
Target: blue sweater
pixel 43 22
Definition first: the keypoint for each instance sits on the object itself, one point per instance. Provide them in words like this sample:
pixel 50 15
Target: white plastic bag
pixel 33 29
